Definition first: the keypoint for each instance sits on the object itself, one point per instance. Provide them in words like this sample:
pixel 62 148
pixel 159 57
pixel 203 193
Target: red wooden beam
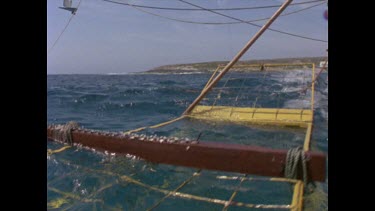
pixel 203 154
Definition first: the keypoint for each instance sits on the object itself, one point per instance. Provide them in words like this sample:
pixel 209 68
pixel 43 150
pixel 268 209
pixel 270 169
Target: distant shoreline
pixel 208 67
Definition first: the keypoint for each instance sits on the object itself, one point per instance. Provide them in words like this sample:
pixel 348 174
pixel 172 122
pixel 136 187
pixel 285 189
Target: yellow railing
pixel 247 115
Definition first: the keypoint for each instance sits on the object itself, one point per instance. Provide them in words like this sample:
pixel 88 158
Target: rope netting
pixel 157 186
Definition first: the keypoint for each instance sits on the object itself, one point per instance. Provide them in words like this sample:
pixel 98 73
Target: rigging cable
pixel 214 9
pixel 62 32
pixel 259 26
pixel 208 23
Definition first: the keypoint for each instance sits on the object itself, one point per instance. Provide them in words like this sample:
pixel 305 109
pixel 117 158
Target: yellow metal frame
pixel 296 203
pixel 270 65
pixel 247 115
pixel 269 116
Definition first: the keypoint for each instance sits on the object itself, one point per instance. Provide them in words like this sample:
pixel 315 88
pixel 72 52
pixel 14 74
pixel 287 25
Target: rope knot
pixel 63 133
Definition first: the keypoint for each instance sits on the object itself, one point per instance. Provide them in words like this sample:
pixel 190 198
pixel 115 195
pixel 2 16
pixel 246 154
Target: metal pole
pixel 238 56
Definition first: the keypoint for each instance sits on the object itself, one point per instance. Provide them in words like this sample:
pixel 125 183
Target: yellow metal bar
pixel 272 179
pixel 297 200
pixel 155 126
pixel 167 123
pixel 135 130
pixel 306 145
pixel 270 65
pixel 50 152
pixel 233 194
pixel 300 201
pixel 57 203
pixel 197 173
pixel 248 115
pixel 243 65
pixel 167 192
pixel 277 179
pixel 91 196
pixel 73 196
pixel 285 64
pixel 201 198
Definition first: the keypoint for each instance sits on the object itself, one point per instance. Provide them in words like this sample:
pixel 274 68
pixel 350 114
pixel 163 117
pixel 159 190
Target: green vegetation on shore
pixel 211 66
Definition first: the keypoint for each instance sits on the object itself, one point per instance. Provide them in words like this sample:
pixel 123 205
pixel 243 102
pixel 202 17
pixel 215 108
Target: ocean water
pixel 81 179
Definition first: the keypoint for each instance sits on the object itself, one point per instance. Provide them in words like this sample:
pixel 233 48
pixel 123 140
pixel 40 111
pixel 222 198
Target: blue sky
pixel 110 38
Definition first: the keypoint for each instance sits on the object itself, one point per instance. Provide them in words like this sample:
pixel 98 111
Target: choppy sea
pixel 80 179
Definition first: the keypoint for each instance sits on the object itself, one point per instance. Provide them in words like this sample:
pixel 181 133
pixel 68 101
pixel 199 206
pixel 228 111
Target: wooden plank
pixel 203 154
